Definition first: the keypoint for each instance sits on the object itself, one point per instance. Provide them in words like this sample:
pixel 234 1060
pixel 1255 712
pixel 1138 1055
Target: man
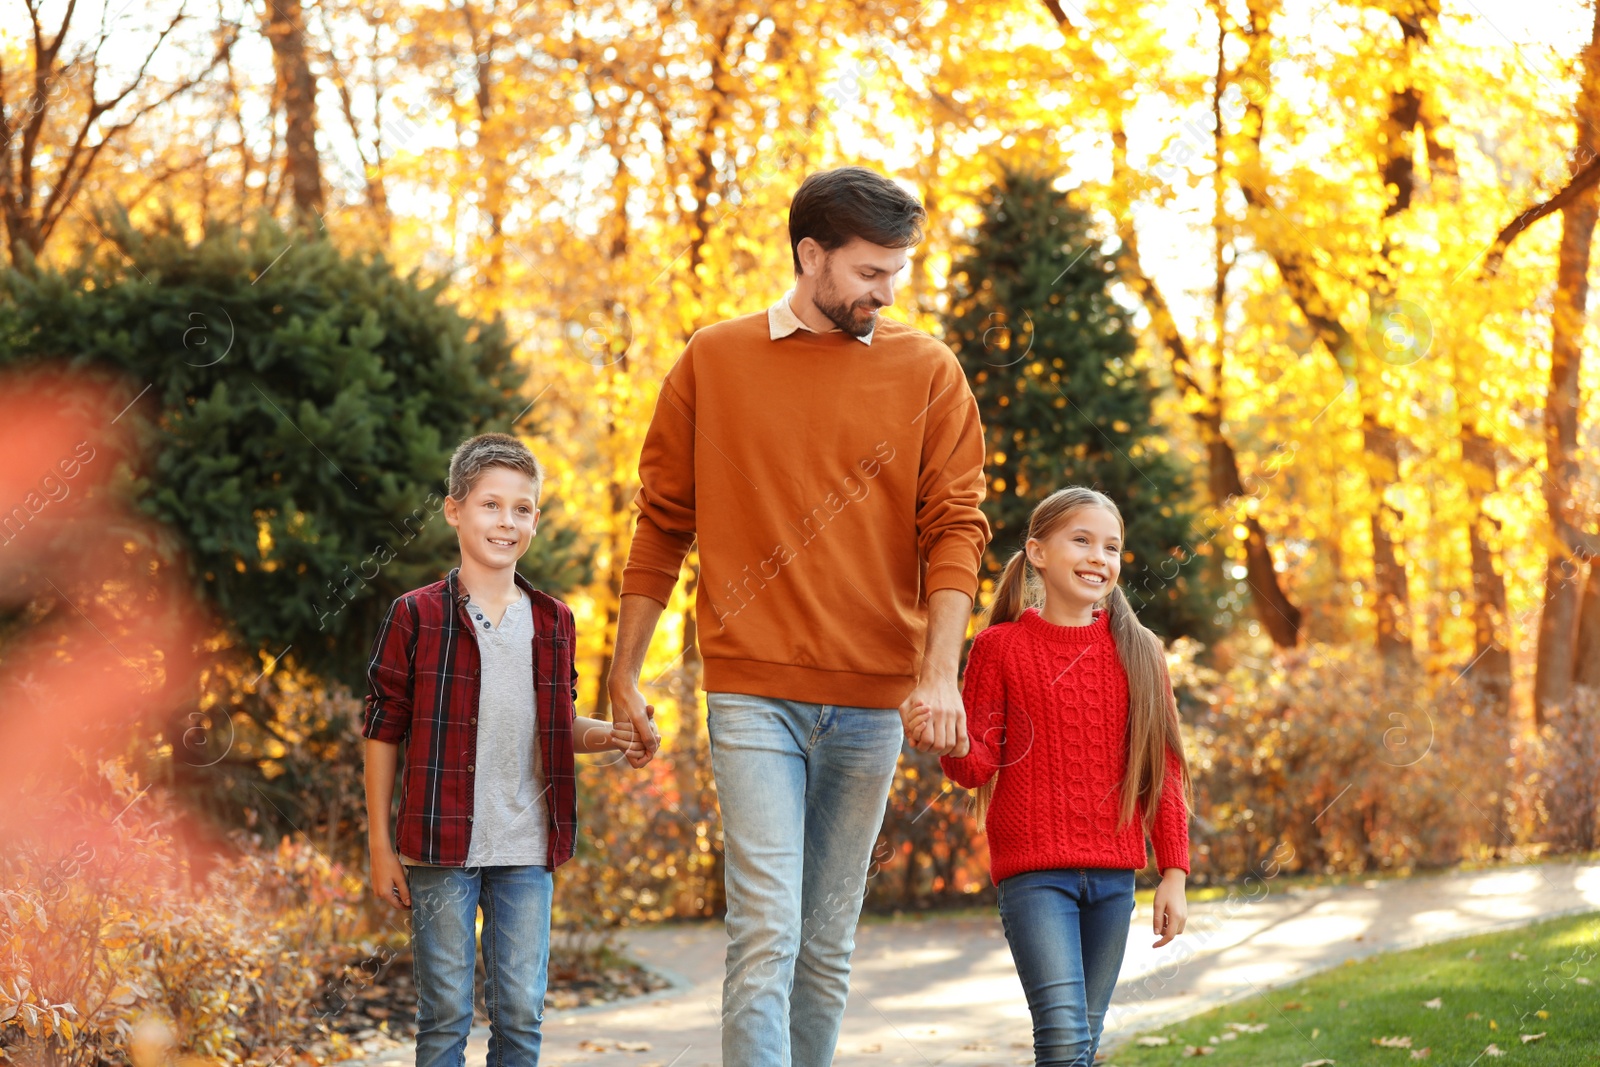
pixel 830 464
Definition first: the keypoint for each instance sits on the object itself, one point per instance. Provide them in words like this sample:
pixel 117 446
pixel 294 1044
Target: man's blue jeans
pixel 802 789
pixel 1068 930
pixel 516 957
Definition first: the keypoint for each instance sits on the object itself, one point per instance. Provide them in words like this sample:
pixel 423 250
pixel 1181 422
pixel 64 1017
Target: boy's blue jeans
pixel 1068 930
pixel 802 789
pixel 516 957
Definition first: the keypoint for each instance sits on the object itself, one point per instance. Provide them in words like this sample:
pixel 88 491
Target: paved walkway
pixel 943 990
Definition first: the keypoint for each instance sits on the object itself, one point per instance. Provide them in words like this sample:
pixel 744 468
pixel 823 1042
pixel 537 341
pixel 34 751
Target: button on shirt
pixel 510 820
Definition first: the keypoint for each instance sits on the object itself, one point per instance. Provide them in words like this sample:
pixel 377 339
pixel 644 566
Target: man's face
pixel 854 281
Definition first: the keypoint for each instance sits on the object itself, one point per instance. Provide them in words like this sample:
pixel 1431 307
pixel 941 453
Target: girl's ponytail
pixel 1152 713
pixel 1010 592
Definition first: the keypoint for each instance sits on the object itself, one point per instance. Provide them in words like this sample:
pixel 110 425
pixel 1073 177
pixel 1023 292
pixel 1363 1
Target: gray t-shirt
pixel 510 816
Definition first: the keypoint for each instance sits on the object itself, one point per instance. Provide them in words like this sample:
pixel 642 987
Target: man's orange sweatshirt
pixel 832 486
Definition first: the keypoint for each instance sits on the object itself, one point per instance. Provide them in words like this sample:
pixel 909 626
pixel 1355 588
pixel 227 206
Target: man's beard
pixel 845 316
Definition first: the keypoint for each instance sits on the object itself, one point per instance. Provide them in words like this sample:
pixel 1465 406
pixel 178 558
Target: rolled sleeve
pixel 952 530
pixel 666 497
pixel 387 714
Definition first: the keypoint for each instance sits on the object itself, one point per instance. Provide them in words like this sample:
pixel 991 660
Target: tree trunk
pixel 1588 652
pixel 1558 622
pixel 1491 655
pixel 297 92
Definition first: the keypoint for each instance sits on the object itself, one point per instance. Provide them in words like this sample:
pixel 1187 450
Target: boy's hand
pixel 389 879
pixel 1171 909
pixel 625 738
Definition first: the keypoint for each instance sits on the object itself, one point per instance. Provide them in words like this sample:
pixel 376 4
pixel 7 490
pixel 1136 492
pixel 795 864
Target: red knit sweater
pixel 1047 706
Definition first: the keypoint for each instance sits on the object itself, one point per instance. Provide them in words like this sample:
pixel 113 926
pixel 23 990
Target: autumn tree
pixel 1049 354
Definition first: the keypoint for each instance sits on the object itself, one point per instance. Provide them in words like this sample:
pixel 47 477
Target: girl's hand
pixel 921 716
pixel 915 721
pixel 1171 910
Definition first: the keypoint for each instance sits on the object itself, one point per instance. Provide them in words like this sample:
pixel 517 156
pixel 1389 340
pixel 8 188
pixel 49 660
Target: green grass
pixel 1488 996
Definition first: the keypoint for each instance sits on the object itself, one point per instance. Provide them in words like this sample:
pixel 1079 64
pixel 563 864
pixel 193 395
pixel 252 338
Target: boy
pixel 475 673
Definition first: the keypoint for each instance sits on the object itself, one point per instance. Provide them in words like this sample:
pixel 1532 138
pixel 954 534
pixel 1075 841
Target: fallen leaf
pixel 872 1048
pixel 1247 1028
pixel 1517 956
pixel 1198 1050
pixel 1530 1038
pixel 1230 1035
pixel 1436 1003
pixel 1153 1042
pixel 633 1046
pixel 1582 981
pixel 1494 1050
pixel 1319 1063
pixel 1213 1040
pixel 1344 1003
pixel 1541 1013
pixel 977 1046
pixel 600 1044
pixel 1472 954
pixel 1392 1042
pixel 1315 1030
pixel 1292 1005
pixel 1420 1053
pixel 1493 1025
pixel 1473 1015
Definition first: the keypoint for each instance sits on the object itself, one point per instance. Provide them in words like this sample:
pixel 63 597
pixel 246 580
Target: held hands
pixel 637 747
pixel 934 718
pixel 1171 909
pixel 633 729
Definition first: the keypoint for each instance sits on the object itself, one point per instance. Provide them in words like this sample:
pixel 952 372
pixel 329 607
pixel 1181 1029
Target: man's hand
pixel 628 707
pixel 933 716
pixel 626 739
pixel 389 879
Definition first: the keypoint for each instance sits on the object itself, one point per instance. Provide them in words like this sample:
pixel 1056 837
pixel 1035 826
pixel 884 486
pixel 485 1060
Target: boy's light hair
pixel 477 454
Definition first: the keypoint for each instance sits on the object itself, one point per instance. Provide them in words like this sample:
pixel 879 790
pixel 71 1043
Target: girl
pixel 1072 743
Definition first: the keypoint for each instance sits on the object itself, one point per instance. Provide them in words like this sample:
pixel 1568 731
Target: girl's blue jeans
pixel 1068 929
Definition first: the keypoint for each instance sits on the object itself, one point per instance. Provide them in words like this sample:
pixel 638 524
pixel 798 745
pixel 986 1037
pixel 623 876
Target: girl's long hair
pixel 1152 710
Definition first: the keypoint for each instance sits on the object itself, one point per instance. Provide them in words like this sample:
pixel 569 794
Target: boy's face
pixel 498 519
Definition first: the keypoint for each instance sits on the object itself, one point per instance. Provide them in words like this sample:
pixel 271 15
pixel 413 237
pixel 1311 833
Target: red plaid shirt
pixel 424 691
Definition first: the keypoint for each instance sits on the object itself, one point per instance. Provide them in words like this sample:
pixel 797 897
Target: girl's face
pixel 1080 559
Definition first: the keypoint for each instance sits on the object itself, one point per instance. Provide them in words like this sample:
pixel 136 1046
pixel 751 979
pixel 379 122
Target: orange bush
pixel 124 928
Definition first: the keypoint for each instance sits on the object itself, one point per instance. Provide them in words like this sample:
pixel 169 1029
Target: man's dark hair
pixel 833 206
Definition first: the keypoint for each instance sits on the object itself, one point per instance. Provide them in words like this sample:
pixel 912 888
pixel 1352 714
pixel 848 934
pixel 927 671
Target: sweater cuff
pixel 958 573
pixel 657 585
pixel 1172 854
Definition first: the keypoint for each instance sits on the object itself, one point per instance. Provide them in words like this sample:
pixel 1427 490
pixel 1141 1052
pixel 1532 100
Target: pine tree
pixel 295 436
pixel 1049 354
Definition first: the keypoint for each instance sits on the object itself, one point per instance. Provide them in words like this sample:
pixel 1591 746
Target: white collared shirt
pixel 782 321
